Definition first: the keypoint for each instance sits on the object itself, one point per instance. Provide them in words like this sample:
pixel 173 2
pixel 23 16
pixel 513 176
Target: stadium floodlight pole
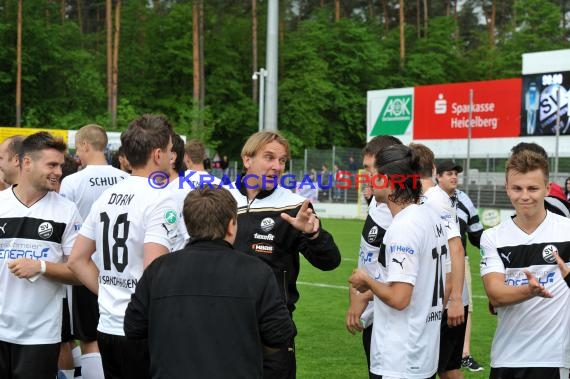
pixel 467 163
pixel 557 134
pixel 271 63
pixel 262 73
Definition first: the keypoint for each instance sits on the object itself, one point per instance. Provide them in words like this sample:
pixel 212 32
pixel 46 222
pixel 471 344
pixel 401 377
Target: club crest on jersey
pixel 372 234
pixel 267 224
pixel 170 216
pixel 548 253
pixel 45 230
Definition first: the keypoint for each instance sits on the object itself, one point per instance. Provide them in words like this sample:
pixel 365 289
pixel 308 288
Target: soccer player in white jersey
pixel 409 295
pixel 37 230
pixel 83 188
pixel 452 325
pixel 522 280
pixel 130 225
pixel 360 315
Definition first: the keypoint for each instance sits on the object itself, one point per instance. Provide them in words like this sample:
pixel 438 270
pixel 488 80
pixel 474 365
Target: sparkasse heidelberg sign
pixel 442 111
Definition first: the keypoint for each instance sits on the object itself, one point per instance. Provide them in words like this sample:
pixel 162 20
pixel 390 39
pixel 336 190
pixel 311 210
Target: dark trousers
pixel 124 358
pixel 281 364
pixel 28 361
pixel 525 373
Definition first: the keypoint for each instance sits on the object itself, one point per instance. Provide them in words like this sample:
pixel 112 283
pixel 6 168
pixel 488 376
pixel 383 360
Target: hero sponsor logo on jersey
pixel 262 248
pixel 548 253
pixel 264 237
pixel 372 234
pixel 170 216
pixel 45 230
pixel 15 253
pixel 267 224
pixel 366 256
pixel 394 249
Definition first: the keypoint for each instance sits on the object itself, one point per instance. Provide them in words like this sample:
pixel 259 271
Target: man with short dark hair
pixel 83 188
pixel 240 312
pixel 37 231
pixel 129 225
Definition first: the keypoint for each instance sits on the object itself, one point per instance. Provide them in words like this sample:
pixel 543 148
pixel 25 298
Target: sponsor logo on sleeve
pixel 170 216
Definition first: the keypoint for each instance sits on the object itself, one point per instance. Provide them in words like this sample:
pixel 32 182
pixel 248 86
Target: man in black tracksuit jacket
pixel 276 225
pixel 208 311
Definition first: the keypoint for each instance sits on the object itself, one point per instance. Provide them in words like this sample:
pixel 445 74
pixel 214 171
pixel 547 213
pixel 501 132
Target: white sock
pixel 76 353
pixel 68 373
pixel 91 366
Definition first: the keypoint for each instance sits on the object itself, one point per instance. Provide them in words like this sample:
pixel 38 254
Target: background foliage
pixel 327 63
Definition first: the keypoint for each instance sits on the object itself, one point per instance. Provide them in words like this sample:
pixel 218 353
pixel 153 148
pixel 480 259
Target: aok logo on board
pixel 395 115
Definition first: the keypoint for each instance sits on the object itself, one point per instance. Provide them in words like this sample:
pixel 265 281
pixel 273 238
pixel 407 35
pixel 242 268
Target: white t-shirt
pixel 121 221
pixel 536 332
pixel 369 257
pixel 30 312
pixel 405 344
pixel 85 186
pixel 441 202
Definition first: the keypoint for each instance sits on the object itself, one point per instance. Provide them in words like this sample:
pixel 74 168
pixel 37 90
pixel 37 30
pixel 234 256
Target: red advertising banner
pixel 442 111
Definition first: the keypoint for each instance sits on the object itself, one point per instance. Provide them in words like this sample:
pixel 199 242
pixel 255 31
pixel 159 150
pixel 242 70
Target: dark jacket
pixel 207 311
pixel 263 233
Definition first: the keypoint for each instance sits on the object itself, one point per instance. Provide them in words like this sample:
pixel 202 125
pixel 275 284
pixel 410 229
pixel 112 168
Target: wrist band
pixel 42 267
pixel 567 279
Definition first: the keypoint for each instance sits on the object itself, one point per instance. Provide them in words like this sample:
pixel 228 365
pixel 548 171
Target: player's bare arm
pixel 358 301
pixel 25 268
pixel 152 251
pixel 500 294
pixel 455 309
pixel 395 294
pixel 81 264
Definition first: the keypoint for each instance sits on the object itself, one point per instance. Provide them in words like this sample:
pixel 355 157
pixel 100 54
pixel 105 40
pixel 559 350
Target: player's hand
pixel 564 270
pixel 536 289
pixel 25 268
pixel 306 221
pixel 455 313
pixel 358 303
pixel 359 280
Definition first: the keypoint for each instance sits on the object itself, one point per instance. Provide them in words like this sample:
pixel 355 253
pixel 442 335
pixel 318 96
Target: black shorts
pixel 28 361
pixel 124 358
pixel 451 344
pixel 85 314
pixel 66 334
pixel 525 373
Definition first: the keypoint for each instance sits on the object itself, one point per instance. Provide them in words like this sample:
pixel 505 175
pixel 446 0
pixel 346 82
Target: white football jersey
pixel 436 198
pixel 536 332
pixel 405 344
pixel 370 257
pixel 85 186
pixel 121 221
pixel 181 187
pixel 30 312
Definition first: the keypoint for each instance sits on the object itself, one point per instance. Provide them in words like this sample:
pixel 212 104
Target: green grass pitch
pixel 325 349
